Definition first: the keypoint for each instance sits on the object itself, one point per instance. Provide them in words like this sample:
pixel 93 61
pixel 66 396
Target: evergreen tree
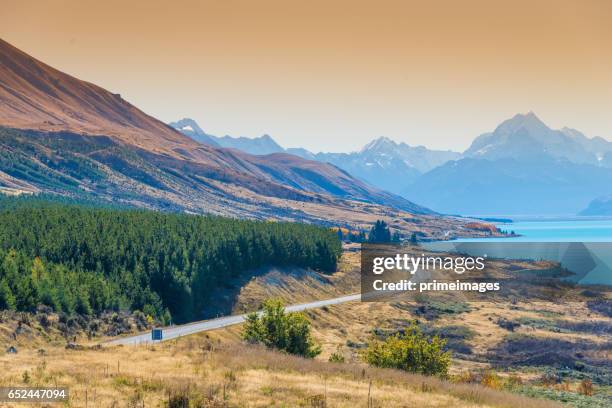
pixel 380 233
pixel 7 300
pixel 82 259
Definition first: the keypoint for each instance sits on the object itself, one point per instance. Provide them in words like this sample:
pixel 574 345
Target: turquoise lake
pixel 583 246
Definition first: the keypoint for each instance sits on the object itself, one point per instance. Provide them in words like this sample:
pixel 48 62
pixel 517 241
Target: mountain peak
pixel 382 143
pixel 190 128
pixel 187 124
pixel 526 137
pixel 528 121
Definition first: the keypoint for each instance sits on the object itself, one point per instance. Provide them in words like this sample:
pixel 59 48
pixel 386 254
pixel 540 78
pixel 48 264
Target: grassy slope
pixel 349 326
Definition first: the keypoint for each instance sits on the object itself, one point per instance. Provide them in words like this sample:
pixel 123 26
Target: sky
pixel 332 75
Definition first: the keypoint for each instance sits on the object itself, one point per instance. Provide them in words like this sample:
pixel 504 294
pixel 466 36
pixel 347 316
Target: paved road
pixel 173 332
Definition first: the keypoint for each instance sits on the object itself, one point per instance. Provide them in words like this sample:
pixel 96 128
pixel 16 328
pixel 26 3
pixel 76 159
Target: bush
pixel 411 351
pixel 432 309
pixel 513 381
pixel 288 332
pixel 491 380
pixel 337 356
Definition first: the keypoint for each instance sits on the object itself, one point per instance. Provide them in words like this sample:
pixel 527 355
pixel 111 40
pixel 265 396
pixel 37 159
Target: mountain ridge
pixel 63 135
pixel 523 167
pixel 526 136
pixel 261 145
pixel 521 155
pixel 378 163
pixel 37 96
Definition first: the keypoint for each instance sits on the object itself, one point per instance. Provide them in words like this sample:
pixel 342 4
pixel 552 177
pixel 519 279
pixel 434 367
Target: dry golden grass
pixel 295 285
pixel 214 373
pixel 353 322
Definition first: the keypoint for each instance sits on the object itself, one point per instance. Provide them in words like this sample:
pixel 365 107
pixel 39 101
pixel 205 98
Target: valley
pixel 247 254
pixel 56 139
pixel 521 168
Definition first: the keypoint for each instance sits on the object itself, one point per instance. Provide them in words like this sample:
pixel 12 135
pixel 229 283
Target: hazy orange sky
pixel 332 75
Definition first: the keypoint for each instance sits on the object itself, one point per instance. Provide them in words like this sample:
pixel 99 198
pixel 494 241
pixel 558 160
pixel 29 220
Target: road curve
pixel 173 332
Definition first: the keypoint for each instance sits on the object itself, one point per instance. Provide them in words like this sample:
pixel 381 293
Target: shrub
pixel 288 332
pixel 337 356
pixel 490 379
pixel 466 377
pixel 432 309
pixel 411 351
pixel 509 325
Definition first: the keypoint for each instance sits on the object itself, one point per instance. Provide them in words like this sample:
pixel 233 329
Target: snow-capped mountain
pixel 525 136
pixel 418 157
pixel 522 167
pixel 382 162
pixel 189 127
pixel 387 164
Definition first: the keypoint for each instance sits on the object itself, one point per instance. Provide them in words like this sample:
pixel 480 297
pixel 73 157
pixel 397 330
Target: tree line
pixel 83 259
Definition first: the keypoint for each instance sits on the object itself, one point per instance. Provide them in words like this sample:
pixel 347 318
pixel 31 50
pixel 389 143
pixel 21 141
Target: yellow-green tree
pixel 410 351
pixel 274 328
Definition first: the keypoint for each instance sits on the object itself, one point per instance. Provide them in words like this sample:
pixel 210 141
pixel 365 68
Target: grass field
pixel 213 372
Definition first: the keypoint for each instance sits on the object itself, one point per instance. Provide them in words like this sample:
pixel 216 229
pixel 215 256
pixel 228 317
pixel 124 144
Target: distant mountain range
pixel 383 163
pixel 60 134
pixel 523 167
pixel 389 165
pixel 257 146
pixel 526 137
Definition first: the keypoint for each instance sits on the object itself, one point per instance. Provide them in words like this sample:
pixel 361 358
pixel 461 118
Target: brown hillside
pixel 35 96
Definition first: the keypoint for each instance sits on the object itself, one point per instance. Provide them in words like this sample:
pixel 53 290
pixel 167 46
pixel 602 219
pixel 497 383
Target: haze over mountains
pixel 521 168
pixel 61 134
pixel 384 163
pixel 527 137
